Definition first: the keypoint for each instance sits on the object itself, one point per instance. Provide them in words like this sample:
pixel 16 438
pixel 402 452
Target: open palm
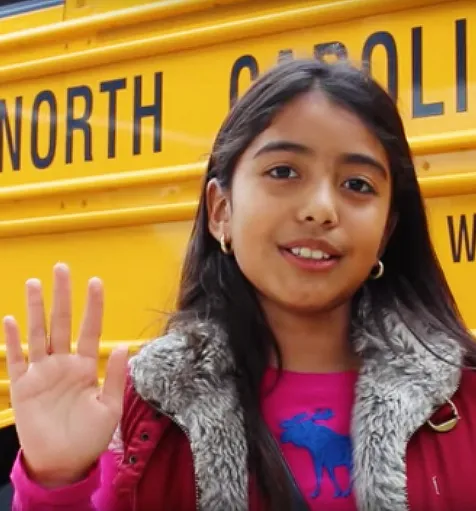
pixel 63 418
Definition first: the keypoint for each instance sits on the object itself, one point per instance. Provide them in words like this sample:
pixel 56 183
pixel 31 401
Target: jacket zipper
pixel 407 500
pixel 187 434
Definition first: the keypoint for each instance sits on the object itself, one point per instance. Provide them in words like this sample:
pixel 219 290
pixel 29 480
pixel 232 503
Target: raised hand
pixel 64 419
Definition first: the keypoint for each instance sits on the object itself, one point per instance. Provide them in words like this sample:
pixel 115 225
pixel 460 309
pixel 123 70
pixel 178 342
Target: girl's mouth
pixel 310 259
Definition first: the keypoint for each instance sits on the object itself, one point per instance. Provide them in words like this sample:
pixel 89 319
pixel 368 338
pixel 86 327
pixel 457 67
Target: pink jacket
pixel 181 442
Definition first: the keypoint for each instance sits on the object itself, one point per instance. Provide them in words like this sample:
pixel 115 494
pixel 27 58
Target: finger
pixel 114 383
pixel 36 321
pixel 91 326
pixel 16 363
pixel 60 329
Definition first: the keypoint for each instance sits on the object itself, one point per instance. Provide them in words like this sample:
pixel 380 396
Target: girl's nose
pixel 320 206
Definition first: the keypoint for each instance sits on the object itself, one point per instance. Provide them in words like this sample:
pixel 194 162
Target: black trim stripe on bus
pixel 27 6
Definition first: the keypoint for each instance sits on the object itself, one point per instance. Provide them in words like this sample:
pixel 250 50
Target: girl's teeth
pixel 319 254
pixel 307 253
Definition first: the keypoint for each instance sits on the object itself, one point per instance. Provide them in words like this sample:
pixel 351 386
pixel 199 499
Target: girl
pixel 315 360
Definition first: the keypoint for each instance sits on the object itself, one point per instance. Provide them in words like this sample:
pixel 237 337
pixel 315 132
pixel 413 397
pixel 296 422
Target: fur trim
pixel 397 392
pixel 189 376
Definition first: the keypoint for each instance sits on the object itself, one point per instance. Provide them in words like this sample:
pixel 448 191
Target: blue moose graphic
pixel 327 448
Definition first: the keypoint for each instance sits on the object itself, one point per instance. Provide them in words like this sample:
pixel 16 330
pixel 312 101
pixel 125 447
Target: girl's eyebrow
pixel 365 160
pixel 283 145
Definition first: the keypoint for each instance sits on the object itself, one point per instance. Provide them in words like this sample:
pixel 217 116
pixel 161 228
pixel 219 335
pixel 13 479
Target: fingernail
pixel 33 282
pixel 123 347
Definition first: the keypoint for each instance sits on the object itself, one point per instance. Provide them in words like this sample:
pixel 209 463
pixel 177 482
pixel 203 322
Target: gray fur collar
pixel 188 374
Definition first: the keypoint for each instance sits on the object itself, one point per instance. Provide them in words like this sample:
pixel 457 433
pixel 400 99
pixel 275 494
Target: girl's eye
pixel 283 172
pixel 359 186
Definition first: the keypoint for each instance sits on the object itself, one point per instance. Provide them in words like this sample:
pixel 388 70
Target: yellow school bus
pixel 108 111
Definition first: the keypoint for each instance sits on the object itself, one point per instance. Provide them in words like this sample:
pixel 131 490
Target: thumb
pixel 112 392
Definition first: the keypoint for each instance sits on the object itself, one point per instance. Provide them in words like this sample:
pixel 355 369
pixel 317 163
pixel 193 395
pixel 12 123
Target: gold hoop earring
pixel 225 245
pixel 377 271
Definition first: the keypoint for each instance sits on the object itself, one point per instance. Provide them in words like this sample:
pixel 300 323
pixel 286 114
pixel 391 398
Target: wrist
pixel 55 478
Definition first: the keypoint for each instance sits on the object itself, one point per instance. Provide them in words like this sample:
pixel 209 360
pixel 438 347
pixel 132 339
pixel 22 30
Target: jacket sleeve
pixel 94 493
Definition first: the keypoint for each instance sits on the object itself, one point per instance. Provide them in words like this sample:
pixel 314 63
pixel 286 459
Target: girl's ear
pixel 219 210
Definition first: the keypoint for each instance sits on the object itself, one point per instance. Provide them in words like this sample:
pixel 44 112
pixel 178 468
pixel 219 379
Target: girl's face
pixel 308 207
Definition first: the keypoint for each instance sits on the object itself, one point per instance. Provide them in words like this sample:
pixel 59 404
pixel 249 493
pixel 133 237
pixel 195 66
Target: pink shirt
pixel 309 415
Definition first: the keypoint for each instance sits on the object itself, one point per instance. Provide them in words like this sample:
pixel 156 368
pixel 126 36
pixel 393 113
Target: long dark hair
pixel 213 286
